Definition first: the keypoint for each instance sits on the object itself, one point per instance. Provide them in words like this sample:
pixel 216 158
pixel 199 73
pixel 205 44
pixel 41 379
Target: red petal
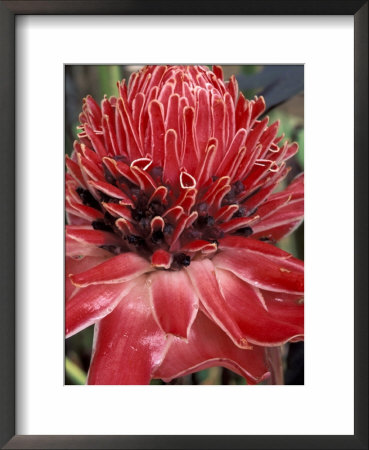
pixel 200 246
pixel 96 141
pixel 156 112
pixel 202 274
pixel 233 88
pixel 85 212
pixel 282 297
pixel 159 195
pixel 129 345
pixel 133 140
pixel 171 120
pixel 216 186
pixel 125 226
pixel 74 170
pixel 255 134
pixel 187 181
pixel 203 119
pixel 226 212
pixel 218 116
pixel 157 224
pixel 258 108
pixel 145 181
pixel 208 346
pixel 174 301
pixel 239 222
pixel 161 259
pixel 218 71
pixel 205 167
pixel 238 242
pixel 77 265
pixel 271 206
pixel 289 215
pixel 296 188
pixel 117 269
pixel 91 304
pixel 138 112
pixel 278 232
pixel 190 151
pixel 173 214
pixel 74 248
pixel 264 321
pixel 237 143
pixel 87 236
pixel 268 137
pixel 117 210
pixel 111 190
pixel 261 271
pixel 183 223
pixel 171 160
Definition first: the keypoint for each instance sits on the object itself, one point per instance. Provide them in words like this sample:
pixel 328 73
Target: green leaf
pixel 74 373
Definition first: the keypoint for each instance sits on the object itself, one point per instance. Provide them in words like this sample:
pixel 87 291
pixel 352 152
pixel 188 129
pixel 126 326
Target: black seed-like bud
pixel 109 219
pixel 205 221
pixel 247 231
pixel 107 199
pixel 202 209
pixel 108 176
pixel 87 198
pixel 182 259
pixel 102 226
pixel 168 228
pixel 157 237
pixel 112 249
pixel 238 187
pixel 240 213
pixel 214 233
pixel 121 158
pixel 135 240
pixel 145 223
pixel 138 214
pixel 156 208
pixel 156 172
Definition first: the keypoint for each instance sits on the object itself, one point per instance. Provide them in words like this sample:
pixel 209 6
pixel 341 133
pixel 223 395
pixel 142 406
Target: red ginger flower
pixel 169 203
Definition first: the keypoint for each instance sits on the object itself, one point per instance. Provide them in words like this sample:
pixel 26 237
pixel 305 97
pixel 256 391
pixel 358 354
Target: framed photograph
pixel 152 177
pixel 217 202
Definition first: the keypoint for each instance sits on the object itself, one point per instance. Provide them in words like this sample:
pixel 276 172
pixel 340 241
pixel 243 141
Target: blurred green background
pixel 283 89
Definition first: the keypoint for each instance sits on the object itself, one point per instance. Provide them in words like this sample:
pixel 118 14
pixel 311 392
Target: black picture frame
pixel 8 11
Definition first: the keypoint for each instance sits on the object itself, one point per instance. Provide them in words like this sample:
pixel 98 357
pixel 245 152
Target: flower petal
pixel 287 217
pixel 77 265
pixel 118 269
pixel 129 345
pixel 261 271
pixel 89 236
pixel 208 346
pixel 161 259
pixel 202 274
pixel 174 301
pixel 270 251
pixel 92 303
pixel 264 321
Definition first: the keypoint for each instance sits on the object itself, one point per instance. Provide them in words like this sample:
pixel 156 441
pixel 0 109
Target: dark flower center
pixel 152 223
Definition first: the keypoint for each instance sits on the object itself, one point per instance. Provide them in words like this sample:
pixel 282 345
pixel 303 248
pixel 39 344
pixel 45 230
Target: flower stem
pixel 274 359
